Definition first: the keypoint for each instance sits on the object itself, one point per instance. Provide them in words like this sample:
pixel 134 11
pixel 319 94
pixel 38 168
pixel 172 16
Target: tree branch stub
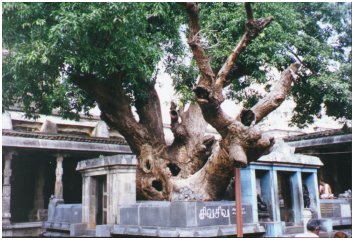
pixel 249 11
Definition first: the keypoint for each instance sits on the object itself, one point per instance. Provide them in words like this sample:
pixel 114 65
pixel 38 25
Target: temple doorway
pixel 285 194
pixel 101 203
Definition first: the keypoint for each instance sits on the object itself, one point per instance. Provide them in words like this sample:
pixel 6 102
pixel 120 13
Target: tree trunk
pixel 195 166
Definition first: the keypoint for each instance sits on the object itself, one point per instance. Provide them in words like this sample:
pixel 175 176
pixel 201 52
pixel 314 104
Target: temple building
pixel 77 178
pixel 40 159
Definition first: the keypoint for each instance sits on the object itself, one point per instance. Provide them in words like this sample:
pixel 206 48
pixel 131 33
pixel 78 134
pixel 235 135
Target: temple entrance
pixel 32 180
pixel 101 203
pixel 285 195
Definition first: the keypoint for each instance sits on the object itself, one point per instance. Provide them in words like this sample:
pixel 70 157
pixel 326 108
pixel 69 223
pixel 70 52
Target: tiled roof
pixel 63 137
pixel 328 133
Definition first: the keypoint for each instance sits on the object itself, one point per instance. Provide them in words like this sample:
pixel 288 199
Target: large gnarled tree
pixel 72 55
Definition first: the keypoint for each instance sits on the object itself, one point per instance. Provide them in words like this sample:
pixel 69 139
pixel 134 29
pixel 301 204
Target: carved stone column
pixel 57 198
pixel 6 188
pixel 58 189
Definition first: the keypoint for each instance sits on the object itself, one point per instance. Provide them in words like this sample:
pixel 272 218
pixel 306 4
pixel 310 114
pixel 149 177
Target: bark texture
pixel 195 166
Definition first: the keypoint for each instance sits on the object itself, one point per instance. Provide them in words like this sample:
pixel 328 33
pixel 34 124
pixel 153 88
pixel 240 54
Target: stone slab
pixel 117 229
pixel 185 232
pixel 341 221
pixel 330 210
pixel 103 230
pixel 103 161
pixel 166 232
pixel 183 214
pixel 155 214
pixel 149 232
pixel 129 215
pixel 23 142
pixel 321 141
pixel 69 213
pixel 226 231
pixel 206 232
pixel 65 226
pixel 132 230
pixel 77 229
pixel 47 224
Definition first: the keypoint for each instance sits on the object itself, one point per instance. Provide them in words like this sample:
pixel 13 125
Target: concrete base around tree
pixel 173 219
pixel 184 219
pixel 157 218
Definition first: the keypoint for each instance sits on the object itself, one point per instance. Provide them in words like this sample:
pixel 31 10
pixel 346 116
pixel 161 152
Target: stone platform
pixel 63 220
pixel 183 219
pixel 338 210
pixel 25 229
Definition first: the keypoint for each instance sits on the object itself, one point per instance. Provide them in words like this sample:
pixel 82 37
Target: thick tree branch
pixel 278 94
pixel 211 109
pixel 149 110
pixel 115 107
pixel 253 28
pixel 199 54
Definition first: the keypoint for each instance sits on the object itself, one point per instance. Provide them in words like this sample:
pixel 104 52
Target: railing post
pixel 238 203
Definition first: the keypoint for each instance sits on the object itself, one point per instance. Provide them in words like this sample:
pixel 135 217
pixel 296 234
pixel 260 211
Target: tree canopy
pixel 48 41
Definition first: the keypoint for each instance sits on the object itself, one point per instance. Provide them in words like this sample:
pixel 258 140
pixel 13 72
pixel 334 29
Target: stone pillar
pixel 296 188
pixel 248 190
pixel 275 227
pixel 86 183
pixel 58 189
pixel 6 189
pixel 57 198
pixel 311 182
pixel 275 203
